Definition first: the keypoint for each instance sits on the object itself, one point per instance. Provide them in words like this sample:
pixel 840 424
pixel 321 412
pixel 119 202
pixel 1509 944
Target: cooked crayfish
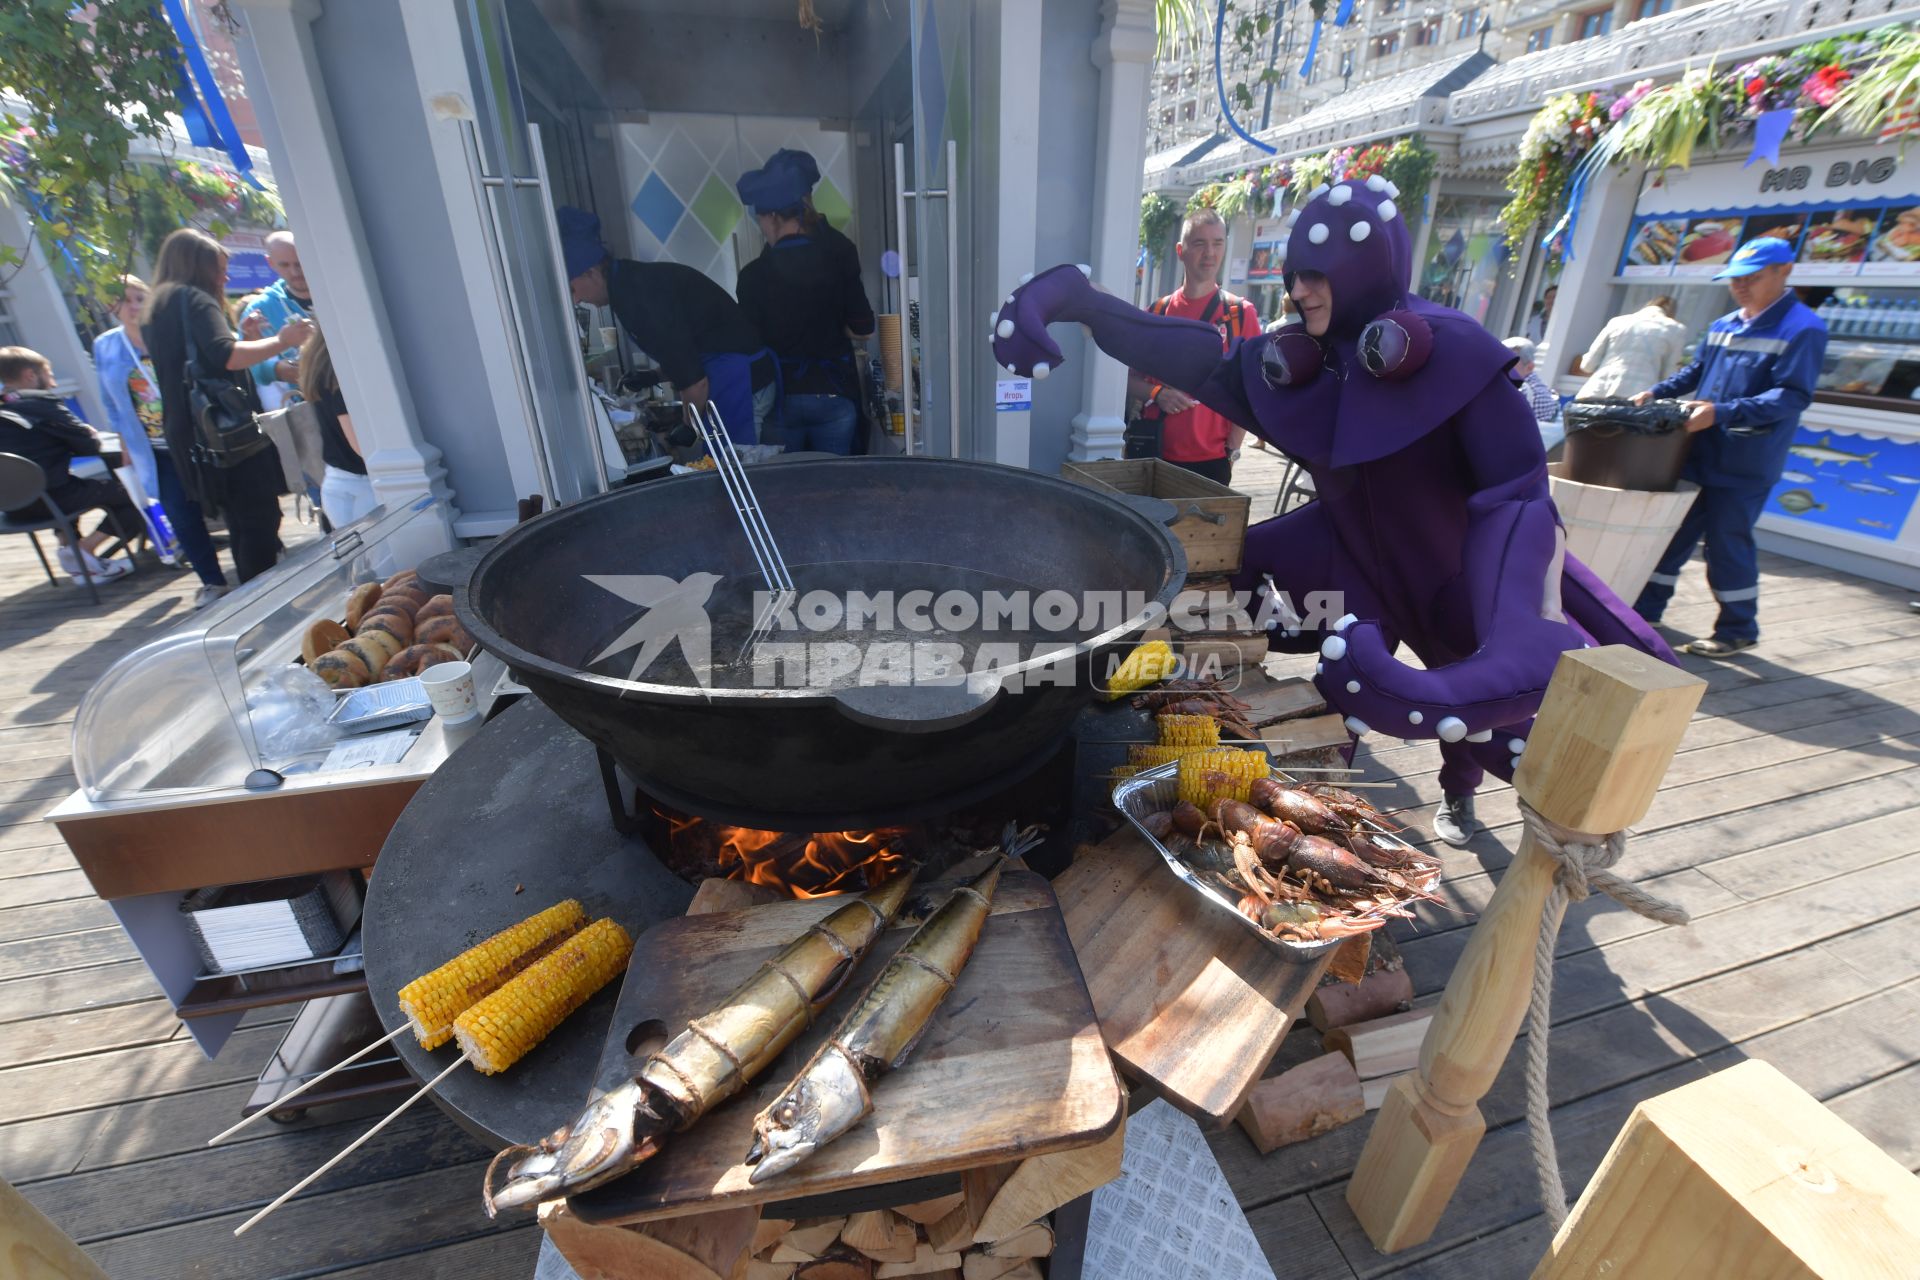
pixel 831 1094
pixel 1340 815
pixel 706 1064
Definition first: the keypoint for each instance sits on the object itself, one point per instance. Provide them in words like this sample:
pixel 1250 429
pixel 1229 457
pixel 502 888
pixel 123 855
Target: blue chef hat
pixel 579 240
pixel 783 182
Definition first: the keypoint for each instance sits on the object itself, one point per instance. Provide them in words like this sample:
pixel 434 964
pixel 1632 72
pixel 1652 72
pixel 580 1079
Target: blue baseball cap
pixel 1767 251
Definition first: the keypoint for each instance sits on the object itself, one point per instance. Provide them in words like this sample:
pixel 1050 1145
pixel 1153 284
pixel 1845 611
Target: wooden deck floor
pixel 1788 826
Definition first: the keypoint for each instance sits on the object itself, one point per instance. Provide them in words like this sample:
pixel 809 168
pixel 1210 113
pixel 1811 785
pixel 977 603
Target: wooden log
pixel 881 1235
pixel 1606 732
pixel 1304 1102
pixel 925 1261
pixel 707 1246
pixel 812 1235
pixel 1388 1046
pixel 770 1232
pixel 928 1212
pixel 983 1266
pixel 1230 652
pixel 1308 733
pixel 715 894
pixel 1035 1240
pixel 1740 1174
pixel 955 1231
pixel 758 1270
pixel 1349 963
pixel 1042 1184
pixel 1374 996
pixel 31 1245
pixel 1374 1092
pixel 838 1263
pixel 1268 699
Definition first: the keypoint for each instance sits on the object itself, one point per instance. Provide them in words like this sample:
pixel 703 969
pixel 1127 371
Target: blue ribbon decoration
pixel 1220 77
pixel 1769 131
pixel 1576 193
pixel 43 211
pixel 1344 14
pixel 216 105
pixel 1313 47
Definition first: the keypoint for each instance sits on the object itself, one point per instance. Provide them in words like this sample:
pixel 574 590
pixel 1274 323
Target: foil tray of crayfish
pixel 1214 823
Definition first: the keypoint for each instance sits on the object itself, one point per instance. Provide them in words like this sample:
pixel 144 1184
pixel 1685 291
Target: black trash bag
pixel 1613 416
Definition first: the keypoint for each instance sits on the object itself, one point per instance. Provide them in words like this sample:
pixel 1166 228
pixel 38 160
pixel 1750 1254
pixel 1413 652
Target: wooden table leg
pixel 1607 729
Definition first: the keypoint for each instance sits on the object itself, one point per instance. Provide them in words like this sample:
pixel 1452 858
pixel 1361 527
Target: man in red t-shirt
pixel 1194 436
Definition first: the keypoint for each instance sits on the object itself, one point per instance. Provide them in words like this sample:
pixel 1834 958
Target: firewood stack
pixel 932 1239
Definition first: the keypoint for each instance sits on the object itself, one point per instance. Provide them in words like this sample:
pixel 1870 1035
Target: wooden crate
pixel 1213 518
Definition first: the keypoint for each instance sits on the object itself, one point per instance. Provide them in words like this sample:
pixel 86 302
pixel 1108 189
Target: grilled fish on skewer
pixel 830 1095
pixel 707 1063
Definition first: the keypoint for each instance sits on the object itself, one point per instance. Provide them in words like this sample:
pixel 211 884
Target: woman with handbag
pixel 208 403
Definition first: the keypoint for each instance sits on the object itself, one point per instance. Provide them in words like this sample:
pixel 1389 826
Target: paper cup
pixel 449 687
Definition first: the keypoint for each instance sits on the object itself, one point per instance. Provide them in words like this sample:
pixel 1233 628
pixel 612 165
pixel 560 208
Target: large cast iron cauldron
pixel 557 600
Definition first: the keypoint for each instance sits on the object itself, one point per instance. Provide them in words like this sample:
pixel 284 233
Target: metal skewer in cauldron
pixel 753 522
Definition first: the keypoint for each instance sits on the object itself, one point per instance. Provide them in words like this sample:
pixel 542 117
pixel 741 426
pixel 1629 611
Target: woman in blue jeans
pixel 804 295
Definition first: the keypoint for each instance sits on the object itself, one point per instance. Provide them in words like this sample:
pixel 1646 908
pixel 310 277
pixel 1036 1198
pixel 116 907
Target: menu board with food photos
pixel 1852 212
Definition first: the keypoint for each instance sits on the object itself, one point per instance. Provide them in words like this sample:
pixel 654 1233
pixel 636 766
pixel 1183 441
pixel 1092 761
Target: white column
pixel 1017 204
pixel 1585 301
pixel 276 52
pixel 41 315
pixel 1124 54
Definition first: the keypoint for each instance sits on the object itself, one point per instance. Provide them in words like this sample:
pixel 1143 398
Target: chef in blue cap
pixel 688 325
pixel 804 295
pixel 1746 388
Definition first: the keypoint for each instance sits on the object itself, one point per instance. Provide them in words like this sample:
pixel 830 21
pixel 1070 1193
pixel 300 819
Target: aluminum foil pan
pixel 1156 790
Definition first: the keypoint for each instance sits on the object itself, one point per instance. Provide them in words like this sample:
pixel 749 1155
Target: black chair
pixel 22 483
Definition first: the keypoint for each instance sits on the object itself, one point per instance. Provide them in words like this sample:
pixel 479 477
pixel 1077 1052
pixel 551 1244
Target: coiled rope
pixel 1583 861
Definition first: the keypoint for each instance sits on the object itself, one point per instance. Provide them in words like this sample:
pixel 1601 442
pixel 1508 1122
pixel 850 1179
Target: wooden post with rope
pixel 1607 729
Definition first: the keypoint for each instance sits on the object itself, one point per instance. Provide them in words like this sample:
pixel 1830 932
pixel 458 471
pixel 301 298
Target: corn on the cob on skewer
pixel 1188 730
pixel 432 1001
pixel 1151 663
pixel 499 1030
pixel 1206 776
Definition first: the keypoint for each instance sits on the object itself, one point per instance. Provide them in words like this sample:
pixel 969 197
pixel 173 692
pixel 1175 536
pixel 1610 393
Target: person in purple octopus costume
pixel 1433 523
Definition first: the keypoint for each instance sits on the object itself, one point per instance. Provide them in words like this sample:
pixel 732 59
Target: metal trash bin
pixel 1617 444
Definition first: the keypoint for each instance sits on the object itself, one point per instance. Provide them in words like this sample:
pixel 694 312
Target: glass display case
pixel 176 718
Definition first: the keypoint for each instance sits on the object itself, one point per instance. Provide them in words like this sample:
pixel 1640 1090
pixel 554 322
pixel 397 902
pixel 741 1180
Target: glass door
pixel 517 200
pixel 938 220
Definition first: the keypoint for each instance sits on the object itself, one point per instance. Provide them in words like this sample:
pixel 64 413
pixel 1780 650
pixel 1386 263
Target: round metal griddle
pixel 519 806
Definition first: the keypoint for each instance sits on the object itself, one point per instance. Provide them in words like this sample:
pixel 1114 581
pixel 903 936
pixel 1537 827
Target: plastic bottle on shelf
pixel 1827 311
pixel 1874 323
pixel 1842 326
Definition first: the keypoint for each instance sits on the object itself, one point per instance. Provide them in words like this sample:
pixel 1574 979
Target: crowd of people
pixel 180 362
pixel 778 364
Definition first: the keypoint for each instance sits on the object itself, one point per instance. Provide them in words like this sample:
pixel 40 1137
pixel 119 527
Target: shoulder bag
pixel 1142 437
pixel 226 432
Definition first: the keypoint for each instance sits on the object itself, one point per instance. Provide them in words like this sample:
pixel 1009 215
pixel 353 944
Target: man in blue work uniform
pixel 1748 384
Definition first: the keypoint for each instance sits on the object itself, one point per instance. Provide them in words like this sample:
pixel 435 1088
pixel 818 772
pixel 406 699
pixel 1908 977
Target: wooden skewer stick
pixel 351 1147
pixel 295 1092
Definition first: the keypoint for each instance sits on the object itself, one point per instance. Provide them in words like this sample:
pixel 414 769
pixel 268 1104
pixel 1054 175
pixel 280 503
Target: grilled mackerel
pixel 709 1062
pixel 830 1095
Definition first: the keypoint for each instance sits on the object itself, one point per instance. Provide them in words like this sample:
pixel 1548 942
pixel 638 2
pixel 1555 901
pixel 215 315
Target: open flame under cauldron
pixel 806 865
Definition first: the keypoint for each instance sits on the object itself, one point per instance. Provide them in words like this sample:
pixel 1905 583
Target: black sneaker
pixel 1454 822
pixel 1715 647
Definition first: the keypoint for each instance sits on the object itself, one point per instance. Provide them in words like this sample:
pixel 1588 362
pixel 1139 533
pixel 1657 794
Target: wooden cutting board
pixel 1012 1064
pixel 1188 1001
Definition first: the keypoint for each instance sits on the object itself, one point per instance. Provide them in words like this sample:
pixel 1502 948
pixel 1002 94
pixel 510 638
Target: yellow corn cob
pixel 501 1029
pixel 1206 776
pixel 1149 756
pixel 1188 731
pixel 1151 663
pixel 432 1002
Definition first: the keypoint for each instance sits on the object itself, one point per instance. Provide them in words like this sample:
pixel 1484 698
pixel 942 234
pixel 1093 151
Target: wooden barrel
pixel 1620 533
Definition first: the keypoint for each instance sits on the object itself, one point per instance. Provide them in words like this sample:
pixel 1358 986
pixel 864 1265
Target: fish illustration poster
pixel 1864 485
